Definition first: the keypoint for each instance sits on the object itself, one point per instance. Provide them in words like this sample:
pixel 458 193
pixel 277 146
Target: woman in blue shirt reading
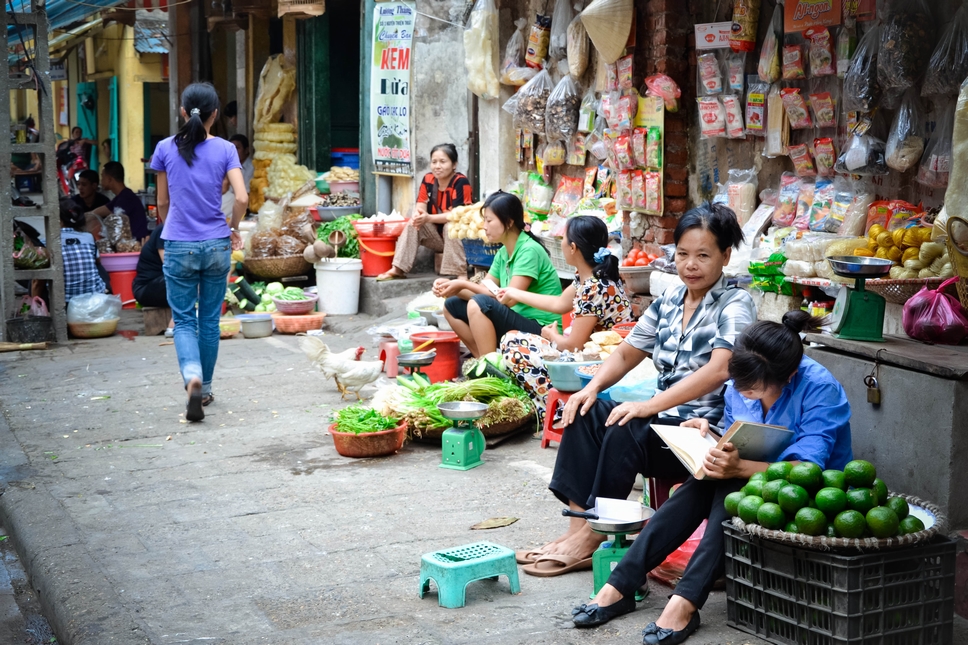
pixel 772 383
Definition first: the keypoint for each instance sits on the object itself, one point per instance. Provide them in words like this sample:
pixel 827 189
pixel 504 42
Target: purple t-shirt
pixel 195 191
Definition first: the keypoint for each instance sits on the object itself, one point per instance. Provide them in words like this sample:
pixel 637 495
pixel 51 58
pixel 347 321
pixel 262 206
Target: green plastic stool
pixel 453 569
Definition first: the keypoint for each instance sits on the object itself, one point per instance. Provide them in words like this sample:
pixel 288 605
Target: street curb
pixel 80 604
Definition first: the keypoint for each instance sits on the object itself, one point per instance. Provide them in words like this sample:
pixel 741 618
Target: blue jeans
pixel 195 274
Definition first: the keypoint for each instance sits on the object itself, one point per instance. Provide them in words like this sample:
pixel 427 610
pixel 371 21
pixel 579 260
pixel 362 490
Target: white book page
pixel 687 440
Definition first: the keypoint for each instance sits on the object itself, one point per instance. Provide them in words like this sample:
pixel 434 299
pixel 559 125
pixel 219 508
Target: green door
pixel 87 117
pixel 113 121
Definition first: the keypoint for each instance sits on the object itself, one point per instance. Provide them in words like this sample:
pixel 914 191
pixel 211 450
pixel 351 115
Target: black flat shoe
pixel 194 411
pixel 593 615
pixel 668 636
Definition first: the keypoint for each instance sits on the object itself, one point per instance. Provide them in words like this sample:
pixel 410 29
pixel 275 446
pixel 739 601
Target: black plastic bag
pixel 861 89
pixel 948 67
pixel 905 47
pixel 937 159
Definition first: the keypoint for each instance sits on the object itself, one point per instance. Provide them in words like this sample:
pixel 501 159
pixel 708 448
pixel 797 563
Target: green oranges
pixel 861 500
pixel 811 521
pixel 807 475
pixel 831 501
pixel 882 522
pixel 748 507
pixel 850 524
pixel 732 502
pixel 791 527
pixel 792 498
pixel 834 479
pixel 754 487
pixel 860 473
pixel 899 505
pixel 910 524
pixel 771 490
pixel 770 516
pixel 880 489
pixel 779 470
pixel 761 476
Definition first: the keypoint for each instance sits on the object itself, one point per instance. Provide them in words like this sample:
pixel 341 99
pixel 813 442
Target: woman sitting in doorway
pixel 772 383
pixel 596 298
pixel 472 310
pixel 441 190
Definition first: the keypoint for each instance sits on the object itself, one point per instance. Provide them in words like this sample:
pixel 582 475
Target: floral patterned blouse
pixel 604 299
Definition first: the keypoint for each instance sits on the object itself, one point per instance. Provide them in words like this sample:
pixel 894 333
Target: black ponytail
pixel 508 210
pixel 71 214
pixel 590 237
pixel 200 101
pixel 767 353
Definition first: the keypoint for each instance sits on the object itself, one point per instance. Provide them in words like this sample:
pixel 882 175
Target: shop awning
pixel 62 13
pixel 151 32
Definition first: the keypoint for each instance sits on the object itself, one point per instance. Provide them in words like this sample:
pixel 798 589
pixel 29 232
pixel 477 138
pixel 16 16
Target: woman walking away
pixel 198 242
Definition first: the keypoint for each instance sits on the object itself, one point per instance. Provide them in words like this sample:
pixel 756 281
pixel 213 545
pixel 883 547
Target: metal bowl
pixel 416 359
pixel 462 410
pixel 855 266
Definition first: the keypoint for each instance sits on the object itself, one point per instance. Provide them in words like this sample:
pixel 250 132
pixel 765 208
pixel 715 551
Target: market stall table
pixel 915 435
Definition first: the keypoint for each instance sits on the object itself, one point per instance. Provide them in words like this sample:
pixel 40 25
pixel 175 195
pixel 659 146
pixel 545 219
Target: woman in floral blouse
pixel 596 298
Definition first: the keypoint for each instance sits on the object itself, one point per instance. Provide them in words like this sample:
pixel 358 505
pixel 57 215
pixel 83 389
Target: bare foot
pixel 394 272
pixel 580 544
pixel 676 614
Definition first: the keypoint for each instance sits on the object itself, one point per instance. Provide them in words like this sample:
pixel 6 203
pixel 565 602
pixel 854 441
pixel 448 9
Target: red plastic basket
pixel 379 228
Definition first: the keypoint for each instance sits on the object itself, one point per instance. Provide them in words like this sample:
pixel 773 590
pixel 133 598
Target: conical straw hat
pixel 608 23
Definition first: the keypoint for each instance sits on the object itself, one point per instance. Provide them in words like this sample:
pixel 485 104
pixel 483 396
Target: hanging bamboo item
pixel 608 23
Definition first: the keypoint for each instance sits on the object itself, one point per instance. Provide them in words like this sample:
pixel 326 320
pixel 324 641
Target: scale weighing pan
pixel 462 410
pixel 416 359
pixel 611 516
pixel 857 266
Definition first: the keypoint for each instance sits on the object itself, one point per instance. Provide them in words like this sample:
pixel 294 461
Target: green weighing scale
pixel 620 518
pixel 858 313
pixel 462 445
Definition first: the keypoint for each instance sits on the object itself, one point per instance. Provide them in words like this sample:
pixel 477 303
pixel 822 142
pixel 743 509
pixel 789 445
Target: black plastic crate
pixel 795 596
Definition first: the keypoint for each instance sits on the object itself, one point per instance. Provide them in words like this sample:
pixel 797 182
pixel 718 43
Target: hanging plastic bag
pixel 905 45
pixel 948 66
pixel 560 21
pixel 554 153
pixel 540 195
pixel 94 308
pixel 740 191
pixel 481 54
pixel 578 47
pixel 777 125
pixel 538 40
pixel 564 104
pixel 587 111
pixel 934 316
pixel 712 118
pixel 32 307
pixel 513 69
pixel 746 19
pixel 862 155
pixel 665 88
pixel 786 200
pixel 937 160
pixel 861 89
pixel 905 144
pixel 756 109
pixel 855 220
pixel 533 102
pixel 769 68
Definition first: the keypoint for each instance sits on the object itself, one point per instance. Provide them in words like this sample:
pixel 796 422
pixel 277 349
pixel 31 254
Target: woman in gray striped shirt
pixel 689 332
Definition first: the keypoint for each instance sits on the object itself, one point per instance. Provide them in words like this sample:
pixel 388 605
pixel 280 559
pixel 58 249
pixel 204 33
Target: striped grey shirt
pixel 723 315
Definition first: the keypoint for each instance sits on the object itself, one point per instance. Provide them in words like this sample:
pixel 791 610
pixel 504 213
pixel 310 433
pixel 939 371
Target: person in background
pixel 88 197
pixel 198 242
pixel 79 253
pixel 596 298
pixel 149 282
pixel 112 179
pixel 33 134
pixel 232 119
pixel 105 151
pixel 441 190
pixel 474 311
pixel 241 143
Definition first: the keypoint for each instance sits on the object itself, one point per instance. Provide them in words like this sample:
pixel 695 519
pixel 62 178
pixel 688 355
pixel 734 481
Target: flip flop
pixel 386 277
pixel 528 557
pixel 556 565
pixel 208 399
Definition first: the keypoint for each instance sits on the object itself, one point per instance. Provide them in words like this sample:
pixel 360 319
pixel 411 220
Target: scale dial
pixel 839 314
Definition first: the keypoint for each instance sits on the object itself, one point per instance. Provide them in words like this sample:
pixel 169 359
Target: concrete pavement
pixel 136 527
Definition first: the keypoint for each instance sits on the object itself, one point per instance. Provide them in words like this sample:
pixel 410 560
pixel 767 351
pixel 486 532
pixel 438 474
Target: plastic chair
pixel 659 490
pixel 550 433
pixel 453 569
pixel 388 354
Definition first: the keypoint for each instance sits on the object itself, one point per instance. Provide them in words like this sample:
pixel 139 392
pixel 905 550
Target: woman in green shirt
pixel 522 263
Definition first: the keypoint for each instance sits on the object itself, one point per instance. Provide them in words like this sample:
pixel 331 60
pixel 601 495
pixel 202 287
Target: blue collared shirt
pixel 813 405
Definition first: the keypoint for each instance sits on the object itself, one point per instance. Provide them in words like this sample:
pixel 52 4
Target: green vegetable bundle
pixel 418 402
pixel 359 419
pixel 352 247
pixel 291 293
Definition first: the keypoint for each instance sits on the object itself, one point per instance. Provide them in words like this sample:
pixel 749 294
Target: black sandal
pixel 194 411
pixel 208 399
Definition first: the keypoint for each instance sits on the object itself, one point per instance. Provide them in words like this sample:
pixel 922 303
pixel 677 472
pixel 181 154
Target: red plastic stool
pixel 550 433
pixel 659 490
pixel 388 354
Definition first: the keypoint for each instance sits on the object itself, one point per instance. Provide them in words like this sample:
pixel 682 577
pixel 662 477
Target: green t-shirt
pixel 532 261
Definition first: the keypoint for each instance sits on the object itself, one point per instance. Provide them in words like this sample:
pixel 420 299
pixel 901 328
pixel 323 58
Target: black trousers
pixel 501 316
pixel 696 500
pixel 595 460
pixel 151 293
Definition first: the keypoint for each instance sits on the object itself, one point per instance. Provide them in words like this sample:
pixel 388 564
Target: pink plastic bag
pixel 672 568
pixel 935 317
pixel 32 307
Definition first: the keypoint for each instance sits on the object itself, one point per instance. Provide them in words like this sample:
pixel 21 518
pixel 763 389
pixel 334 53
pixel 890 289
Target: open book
pixel 754 441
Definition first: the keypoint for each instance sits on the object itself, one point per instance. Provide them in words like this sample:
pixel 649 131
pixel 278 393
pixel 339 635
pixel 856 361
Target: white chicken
pixel 350 373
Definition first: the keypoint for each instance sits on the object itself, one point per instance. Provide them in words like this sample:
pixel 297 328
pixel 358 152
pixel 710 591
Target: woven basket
pixel 900 291
pixel 479 254
pixel 823 543
pixel 298 324
pixel 959 263
pixel 283 267
pixel 553 247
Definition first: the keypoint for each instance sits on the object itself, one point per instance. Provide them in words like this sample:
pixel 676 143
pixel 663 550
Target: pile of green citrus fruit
pixel 802 498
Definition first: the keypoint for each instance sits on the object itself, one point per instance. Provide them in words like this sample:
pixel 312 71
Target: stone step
pixel 375 296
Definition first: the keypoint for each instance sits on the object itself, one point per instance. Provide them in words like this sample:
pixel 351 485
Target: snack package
pixel 554 153
pixel 576 151
pixel 746 19
pixel 538 41
pixel 863 154
pixel 804 203
pixel 624 69
pixel 937 159
pixel 802 163
pixel 907 38
pixel 824 110
pixel 741 193
pixel 842 198
pixel 786 200
pixel 846 46
pixel 710 75
pixel 624 190
pixel 611 78
pixel 820 211
pixel 653 192
pixel 540 195
pixel 948 66
pixel 793 68
pixel 653 147
pixel 564 104
pixel 628 105
pixel 905 144
pixel 639 136
pixel 567 196
pixel 777 125
pixel 560 20
pixel 861 89
pixel 825 156
pixel 623 152
pixel 712 118
pixel 769 64
pixel 591 174
pixel 756 109
pixel 733 107
pixel 796 108
pixel 821 51
pixel 533 102
pixel 578 47
pixel 611 158
pixel 513 69
pixel 736 72
pixel 665 88
pixel 855 220
pixel 638 190
pixel 587 112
